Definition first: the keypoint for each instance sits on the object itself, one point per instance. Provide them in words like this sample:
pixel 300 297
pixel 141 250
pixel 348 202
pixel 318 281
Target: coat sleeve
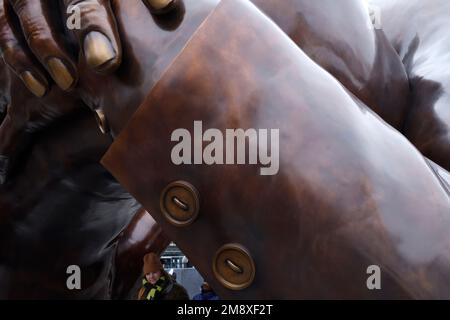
pixel 349 193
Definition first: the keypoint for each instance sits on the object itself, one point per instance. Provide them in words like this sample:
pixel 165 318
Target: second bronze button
pixel 234 267
pixel 180 203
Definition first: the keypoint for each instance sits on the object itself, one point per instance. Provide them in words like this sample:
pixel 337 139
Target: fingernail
pixel 159 4
pixel 33 84
pixel 60 73
pixel 98 49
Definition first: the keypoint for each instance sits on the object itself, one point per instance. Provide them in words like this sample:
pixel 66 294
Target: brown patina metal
pixel 351 191
pixel 344 198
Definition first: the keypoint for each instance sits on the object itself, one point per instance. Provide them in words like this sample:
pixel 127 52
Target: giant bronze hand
pixel 343 196
pixel 92 26
pixel 350 49
pixel 33 45
pixel 360 57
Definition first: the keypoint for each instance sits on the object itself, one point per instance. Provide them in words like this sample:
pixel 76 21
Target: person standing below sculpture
pixel 157 284
pixel 207 293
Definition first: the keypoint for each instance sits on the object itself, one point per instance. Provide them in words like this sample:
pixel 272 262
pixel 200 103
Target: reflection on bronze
pixel 102 122
pixel 343 199
pixel 98 49
pixel 234 267
pixel 180 203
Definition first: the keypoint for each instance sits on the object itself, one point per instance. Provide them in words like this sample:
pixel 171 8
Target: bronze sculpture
pixel 62 208
pixel 370 195
pixel 329 212
pixel 378 66
pixel 421 39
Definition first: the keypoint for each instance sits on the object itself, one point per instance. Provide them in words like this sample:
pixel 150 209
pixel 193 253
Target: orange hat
pixel 152 263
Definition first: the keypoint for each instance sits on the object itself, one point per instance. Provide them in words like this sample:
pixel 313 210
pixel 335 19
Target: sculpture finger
pixel 41 33
pixel 17 56
pixel 96 32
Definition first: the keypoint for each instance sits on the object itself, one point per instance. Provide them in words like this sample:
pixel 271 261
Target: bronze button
pixel 233 266
pixel 180 203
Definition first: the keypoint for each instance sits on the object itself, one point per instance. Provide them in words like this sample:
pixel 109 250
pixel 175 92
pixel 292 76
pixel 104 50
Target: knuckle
pixel 38 39
pixel 12 55
pixel 34 25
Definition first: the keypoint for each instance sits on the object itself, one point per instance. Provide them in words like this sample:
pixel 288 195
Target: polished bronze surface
pixel 159 4
pixel 343 199
pixel 150 44
pixel 233 267
pixel 59 206
pixel 359 57
pixel 180 203
pixel 98 49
